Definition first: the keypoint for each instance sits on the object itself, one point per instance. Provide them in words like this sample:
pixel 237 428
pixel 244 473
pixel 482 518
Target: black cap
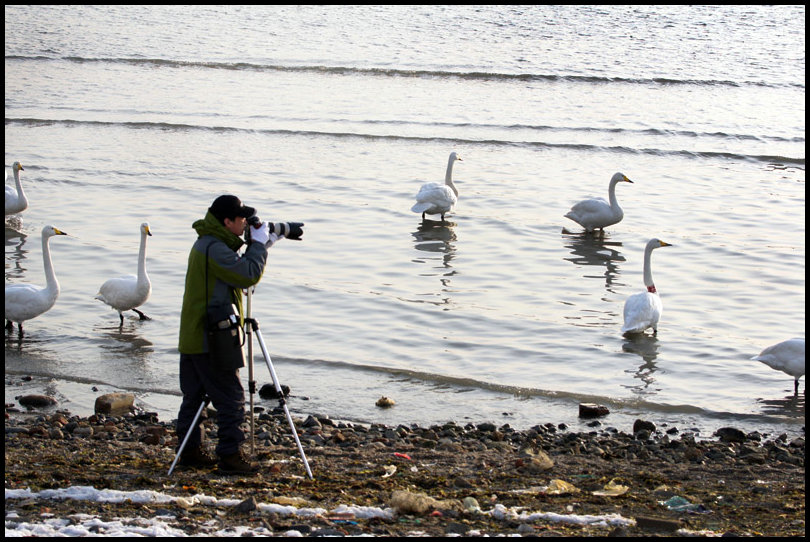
pixel 230 207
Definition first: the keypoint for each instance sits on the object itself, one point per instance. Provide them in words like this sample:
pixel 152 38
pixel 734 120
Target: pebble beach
pixel 68 475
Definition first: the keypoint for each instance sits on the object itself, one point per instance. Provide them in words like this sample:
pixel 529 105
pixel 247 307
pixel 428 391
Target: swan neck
pixel 50 275
pixel 614 203
pixel 142 259
pixel 448 177
pixel 17 182
pixel 648 280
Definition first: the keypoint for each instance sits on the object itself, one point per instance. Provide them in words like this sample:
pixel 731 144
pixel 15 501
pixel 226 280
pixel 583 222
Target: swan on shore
pixel 27 301
pixel 788 357
pixel 16 202
pixel 438 198
pixel 130 291
pixel 593 213
pixel 643 310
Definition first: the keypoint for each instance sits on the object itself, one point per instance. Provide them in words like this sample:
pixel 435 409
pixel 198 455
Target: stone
pixel 114 404
pixel 592 410
pixel 35 401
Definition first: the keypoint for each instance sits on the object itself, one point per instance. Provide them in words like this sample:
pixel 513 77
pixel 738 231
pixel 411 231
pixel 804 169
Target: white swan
pixel 16 202
pixel 130 291
pixel 643 310
pixel 26 301
pixel 595 213
pixel 788 357
pixel 437 198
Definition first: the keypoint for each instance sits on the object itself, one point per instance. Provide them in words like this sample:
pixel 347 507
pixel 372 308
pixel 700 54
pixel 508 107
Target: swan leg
pixel 423 217
pixel 142 315
pixel 121 317
pixel 9 325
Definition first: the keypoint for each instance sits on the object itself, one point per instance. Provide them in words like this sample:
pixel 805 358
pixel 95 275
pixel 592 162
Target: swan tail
pixel 421 207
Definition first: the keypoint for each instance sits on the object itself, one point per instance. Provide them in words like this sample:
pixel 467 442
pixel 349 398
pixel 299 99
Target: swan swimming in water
pixel 788 357
pixel 643 310
pixel 437 198
pixel 595 213
pixel 126 293
pixel 26 301
pixel 16 202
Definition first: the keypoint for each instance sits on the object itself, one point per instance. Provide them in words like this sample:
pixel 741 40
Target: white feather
pixel 16 202
pixel 643 310
pixel 787 356
pixel 27 301
pixel 130 291
pixel 436 198
pixel 595 213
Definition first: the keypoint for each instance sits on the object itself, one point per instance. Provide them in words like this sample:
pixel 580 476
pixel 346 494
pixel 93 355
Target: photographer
pixel 211 327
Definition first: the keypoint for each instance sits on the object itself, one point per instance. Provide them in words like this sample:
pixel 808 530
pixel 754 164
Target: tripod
pixel 251 326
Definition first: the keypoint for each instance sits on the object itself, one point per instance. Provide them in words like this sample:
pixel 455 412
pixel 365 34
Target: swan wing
pixel 787 356
pixel 641 311
pixel 124 293
pixel 434 196
pixel 26 301
pixel 594 213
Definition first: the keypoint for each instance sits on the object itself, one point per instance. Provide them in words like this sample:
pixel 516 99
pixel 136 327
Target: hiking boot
pixel 197 457
pixel 237 464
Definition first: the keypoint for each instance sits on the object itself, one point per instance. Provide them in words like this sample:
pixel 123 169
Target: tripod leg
pixel 283 402
pixel 188 434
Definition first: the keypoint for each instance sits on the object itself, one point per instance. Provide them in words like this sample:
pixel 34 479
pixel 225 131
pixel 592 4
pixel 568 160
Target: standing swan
pixel 788 357
pixel 595 213
pixel 128 292
pixel 436 198
pixel 26 301
pixel 16 202
pixel 642 310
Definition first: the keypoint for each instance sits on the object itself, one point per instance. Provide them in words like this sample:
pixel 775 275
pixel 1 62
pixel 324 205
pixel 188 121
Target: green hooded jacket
pixel 228 275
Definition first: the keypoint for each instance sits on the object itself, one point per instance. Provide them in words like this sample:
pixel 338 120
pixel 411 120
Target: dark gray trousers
pixel 197 379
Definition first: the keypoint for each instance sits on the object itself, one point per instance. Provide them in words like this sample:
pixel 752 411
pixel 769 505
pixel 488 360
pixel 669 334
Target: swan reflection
pixel 128 341
pixel 15 240
pixel 594 250
pixel 645 346
pixel 437 237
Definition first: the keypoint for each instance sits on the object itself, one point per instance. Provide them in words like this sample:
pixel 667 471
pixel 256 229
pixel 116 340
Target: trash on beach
pixel 389 470
pixel 402 456
pixel 560 487
pixel 611 489
pixel 680 504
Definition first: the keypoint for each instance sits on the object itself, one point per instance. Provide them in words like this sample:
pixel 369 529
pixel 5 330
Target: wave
pixel 163 126
pixel 401 72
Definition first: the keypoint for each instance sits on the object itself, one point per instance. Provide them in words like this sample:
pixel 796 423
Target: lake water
pixel 334 116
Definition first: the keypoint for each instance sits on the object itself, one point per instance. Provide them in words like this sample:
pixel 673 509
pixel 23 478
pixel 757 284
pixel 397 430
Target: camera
pixel 290 230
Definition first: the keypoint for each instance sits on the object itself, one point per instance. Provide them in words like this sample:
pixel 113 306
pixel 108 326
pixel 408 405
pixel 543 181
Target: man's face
pixel 237 225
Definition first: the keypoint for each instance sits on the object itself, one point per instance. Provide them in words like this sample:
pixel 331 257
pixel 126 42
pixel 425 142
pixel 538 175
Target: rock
pixel 268 391
pixel 592 410
pixel 36 401
pixel 730 434
pixel 114 404
pixel 642 425
pixel 384 402
pixel 657 524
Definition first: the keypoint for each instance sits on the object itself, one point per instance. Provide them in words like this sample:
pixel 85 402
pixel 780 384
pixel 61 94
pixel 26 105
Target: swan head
pixel 619 178
pixel 145 229
pixel 454 156
pixel 657 243
pixel 17 167
pixel 50 231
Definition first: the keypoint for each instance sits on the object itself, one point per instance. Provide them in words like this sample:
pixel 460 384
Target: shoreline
pixel 473 479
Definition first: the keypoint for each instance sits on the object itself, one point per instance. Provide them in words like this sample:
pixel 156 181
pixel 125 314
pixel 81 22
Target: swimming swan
pixel 595 213
pixel 16 202
pixel 128 292
pixel 26 301
pixel 436 198
pixel 787 356
pixel 643 310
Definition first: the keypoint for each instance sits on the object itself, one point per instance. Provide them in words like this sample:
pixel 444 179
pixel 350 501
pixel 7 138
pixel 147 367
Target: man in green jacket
pixel 215 278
